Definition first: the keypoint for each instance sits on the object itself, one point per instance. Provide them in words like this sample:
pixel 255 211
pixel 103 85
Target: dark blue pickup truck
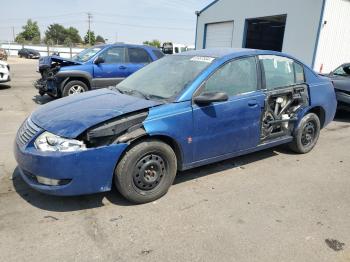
pixel 96 67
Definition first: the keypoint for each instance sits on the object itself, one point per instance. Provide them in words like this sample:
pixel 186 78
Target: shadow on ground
pixel 342 116
pixel 42 100
pixel 3 87
pixel 66 204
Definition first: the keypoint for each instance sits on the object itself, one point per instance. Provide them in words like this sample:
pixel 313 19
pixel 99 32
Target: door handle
pixel 252 103
pixel 122 67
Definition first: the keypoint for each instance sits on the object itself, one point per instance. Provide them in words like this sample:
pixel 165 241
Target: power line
pixel 144 26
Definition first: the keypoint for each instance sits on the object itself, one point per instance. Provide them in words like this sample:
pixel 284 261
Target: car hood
pixel 70 116
pixel 46 61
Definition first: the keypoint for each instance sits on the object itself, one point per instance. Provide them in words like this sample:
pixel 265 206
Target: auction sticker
pixel 205 59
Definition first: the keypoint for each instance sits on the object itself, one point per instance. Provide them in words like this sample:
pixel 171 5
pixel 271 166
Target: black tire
pixel 67 90
pixel 146 171
pixel 305 138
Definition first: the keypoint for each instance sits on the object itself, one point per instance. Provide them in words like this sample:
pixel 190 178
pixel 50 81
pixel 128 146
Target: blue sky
pixel 131 21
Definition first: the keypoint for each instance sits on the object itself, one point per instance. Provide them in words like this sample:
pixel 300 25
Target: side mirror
pixel 99 60
pixel 210 97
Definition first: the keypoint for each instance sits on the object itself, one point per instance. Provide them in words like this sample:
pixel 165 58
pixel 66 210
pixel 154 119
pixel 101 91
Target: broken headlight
pixel 50 142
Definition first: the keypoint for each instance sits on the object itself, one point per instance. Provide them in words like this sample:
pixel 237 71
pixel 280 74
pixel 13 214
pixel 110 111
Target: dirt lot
pixel 267 206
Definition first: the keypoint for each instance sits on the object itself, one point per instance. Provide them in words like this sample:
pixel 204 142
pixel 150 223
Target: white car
pixel 4 72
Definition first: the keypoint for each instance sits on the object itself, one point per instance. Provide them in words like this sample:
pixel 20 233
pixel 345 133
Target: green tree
pixel 100 39
pixel 55 33
pixel 30 33
pixel 89 38
pixel 73 35
pixel 155 43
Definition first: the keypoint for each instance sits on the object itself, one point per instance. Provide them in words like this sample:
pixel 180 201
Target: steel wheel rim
pixel 308 134
pixel 149 172
pixel 76 89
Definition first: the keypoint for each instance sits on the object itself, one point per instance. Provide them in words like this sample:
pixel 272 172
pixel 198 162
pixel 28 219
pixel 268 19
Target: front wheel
pixel 146 171
pixel 307 134
pixel 74 87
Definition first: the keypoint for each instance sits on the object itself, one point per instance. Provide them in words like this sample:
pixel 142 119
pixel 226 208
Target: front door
pixel 113 70
pixel 227 127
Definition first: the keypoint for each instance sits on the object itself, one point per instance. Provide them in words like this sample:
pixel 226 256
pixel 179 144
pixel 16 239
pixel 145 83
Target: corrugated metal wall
pixel 334 43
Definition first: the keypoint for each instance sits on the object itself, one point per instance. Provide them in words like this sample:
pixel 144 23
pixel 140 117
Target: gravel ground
pixel 268 206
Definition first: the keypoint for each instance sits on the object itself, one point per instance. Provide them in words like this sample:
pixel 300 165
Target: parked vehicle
pixel 28 53
pixel 341 80
pixel 177 113
pixel 96 67
pixel 171 48
pixel 3 54
pixel 5 75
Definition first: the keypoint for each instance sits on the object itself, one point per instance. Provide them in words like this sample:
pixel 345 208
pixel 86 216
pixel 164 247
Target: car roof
pixel 230 52
pixel 126 45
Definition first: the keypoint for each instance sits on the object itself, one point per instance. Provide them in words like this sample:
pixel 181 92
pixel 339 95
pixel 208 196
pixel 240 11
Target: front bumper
pixel 85 172
pixel 46 86
pixel 4 75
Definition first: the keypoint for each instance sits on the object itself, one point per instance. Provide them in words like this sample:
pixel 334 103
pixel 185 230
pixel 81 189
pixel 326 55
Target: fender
pixel 73 73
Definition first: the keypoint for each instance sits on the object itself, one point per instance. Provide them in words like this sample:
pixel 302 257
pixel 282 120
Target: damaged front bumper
pixel 70 173
pixel 46 87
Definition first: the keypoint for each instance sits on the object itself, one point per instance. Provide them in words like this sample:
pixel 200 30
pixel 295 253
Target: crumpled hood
pixel 46 61
pixel 70 116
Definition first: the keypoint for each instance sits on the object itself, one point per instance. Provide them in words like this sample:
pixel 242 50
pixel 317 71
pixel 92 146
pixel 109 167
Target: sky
pixel 129 21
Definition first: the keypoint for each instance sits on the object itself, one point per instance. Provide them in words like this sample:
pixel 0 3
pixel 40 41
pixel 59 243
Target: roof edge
pixel 205 8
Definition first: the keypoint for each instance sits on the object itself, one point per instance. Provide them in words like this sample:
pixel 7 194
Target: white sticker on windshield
pixel 205 59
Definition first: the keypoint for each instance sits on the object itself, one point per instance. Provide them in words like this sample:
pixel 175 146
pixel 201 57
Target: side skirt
pixel 265 145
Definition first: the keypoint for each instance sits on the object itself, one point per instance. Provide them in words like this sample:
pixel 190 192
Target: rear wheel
pixel 307 135
pixel 74 87
pixel 146 171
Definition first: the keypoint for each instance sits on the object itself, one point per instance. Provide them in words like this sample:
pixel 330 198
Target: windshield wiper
pixel 119 89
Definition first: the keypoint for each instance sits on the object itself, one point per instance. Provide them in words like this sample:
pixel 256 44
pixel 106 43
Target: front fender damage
pixel 123 129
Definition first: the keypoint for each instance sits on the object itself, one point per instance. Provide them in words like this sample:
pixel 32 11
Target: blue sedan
pixel 180 112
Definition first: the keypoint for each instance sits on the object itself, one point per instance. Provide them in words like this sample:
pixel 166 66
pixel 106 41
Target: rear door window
pixel 281 71
pixel 158 54
pixel 138 56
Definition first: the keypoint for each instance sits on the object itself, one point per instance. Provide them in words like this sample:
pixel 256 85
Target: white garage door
pixel 219 35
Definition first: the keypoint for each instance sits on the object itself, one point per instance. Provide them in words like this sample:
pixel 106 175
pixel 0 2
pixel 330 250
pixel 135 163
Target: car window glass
pixel 114 55
pixel 299 73
pixel 138 56
pixel 343 71
pixel 158 54
pixel 235 77
pixel 279 71
pixel 176 50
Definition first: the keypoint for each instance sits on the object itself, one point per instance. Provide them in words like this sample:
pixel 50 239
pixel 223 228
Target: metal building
pixel 315 31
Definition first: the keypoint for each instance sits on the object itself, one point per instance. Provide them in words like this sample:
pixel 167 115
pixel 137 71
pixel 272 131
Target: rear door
pixel 113 70
pixel 227 127
pixel 137 58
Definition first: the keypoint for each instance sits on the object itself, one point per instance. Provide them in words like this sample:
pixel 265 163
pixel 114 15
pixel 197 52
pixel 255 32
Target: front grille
pixel 26 132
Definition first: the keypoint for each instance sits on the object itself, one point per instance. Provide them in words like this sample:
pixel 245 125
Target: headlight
pixel 50 142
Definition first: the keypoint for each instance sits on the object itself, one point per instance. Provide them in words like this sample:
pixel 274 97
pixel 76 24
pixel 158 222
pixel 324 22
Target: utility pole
pixel 13 34
pixel 89 23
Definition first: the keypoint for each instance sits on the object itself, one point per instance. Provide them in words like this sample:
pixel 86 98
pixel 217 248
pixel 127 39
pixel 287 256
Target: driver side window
pixel 114 55
pixel 234 78
pixel 342 71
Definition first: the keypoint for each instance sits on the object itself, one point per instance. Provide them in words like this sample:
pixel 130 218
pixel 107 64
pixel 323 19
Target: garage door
pixel 219 35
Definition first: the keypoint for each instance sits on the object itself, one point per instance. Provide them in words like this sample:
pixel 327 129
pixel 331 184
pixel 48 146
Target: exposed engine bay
pixel 280 113
pixel 119 130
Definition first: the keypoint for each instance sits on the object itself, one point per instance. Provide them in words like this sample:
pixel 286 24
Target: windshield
pixel 166 77
pixel 86 54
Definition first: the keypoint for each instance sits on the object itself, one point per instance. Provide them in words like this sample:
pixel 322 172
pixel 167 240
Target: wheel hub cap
pixel 149 172
pixel 308 134
pixel 76 89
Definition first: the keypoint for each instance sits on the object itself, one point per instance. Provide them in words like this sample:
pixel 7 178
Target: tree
pixel 100 39
pixel 55 33
pixel 73 35
pixel 89 38
pixel 30 33
pixel 155 43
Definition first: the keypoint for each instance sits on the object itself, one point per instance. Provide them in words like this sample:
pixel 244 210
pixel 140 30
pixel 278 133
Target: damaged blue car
pixel 180 112
pixel 96 67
